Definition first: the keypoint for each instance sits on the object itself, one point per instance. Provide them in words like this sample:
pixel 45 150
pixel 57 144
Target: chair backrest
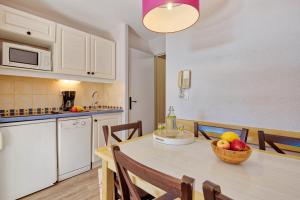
pixel 272 139
pixel 205 130
pixel 174 188
pixel 137 126
pixel 212 191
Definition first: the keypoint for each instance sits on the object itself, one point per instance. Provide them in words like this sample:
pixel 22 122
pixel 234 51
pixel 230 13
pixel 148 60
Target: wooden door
pixel 160 89
pixel 103 58
pixel 72 55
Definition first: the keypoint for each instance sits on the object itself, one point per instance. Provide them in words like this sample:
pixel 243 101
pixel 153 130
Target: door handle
pixel 130 102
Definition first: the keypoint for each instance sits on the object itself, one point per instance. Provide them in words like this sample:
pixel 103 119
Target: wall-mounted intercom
pixel 184 82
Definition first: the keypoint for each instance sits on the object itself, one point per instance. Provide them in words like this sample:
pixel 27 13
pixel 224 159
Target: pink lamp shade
pixel 167 16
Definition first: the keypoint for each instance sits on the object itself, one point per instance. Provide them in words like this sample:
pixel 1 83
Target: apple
pixel 224 144
pixel 237 145
pixel 73 109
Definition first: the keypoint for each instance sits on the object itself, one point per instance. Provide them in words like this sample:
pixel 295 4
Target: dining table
pixel 265 175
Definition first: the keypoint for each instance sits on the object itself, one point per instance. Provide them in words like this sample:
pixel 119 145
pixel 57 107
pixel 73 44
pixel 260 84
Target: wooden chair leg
pixel 196 132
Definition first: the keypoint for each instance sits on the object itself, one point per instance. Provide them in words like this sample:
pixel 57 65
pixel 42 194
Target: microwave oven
pixel 23 56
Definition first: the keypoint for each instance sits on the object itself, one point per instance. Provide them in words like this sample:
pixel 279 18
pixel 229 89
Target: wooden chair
pixel 174 188
pixel 212 191
pixel 204 129
pixel 272 139
pixel 134 126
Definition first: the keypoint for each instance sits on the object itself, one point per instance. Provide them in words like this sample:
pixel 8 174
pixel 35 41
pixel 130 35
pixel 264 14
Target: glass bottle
pixel 171 119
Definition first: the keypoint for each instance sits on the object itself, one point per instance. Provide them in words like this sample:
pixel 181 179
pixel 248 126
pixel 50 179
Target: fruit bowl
pixel 229 156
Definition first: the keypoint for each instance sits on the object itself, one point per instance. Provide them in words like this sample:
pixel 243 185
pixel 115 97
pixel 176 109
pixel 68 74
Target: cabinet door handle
pixel 95 120
pixel 28 33
pixel 88 72
pixel 93 73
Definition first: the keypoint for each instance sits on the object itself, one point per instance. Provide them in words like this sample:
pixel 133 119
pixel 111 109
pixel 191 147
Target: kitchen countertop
pixel 56 116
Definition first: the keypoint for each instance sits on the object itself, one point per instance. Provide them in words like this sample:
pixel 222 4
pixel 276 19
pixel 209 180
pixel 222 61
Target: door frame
pixel 160 105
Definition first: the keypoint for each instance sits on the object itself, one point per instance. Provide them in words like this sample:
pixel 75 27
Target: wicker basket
pixel 229 156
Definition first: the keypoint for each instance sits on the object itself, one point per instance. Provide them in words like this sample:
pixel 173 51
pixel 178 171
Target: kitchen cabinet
pixel 28 158
pixel 103 57
pixel 79 53
pixel 15 24
pixel 72 51
pixel 98 136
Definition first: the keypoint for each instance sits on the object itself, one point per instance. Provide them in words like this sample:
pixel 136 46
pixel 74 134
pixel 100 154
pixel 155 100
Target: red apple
pixel 223 144
pixel 73 109
pixel 237 145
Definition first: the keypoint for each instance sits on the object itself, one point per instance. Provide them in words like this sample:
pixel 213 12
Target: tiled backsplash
pixel 25 92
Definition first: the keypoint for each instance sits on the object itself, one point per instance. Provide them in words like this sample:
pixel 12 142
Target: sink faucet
pixel 94 96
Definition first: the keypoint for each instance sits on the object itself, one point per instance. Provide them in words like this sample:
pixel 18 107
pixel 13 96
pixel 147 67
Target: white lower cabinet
pixel 28 161
pixel 98 136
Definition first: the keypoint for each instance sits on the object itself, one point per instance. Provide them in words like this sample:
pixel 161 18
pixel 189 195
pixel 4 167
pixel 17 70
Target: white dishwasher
pixel 74 146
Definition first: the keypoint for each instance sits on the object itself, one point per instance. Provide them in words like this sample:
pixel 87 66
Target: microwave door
pixel 23 58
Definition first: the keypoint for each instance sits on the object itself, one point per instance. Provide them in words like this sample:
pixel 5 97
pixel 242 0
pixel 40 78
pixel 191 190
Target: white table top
pixel 264 176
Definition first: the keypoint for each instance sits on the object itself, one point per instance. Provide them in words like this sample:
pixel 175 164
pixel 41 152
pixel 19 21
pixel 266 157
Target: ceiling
pixel 99 15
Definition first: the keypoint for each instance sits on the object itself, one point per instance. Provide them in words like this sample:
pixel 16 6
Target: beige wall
pixel 24 92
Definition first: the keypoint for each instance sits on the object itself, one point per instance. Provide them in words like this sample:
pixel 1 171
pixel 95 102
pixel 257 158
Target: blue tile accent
pixel 56 116
pixel 217 130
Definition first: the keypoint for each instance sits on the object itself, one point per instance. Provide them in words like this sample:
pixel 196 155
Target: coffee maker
pixel 68 100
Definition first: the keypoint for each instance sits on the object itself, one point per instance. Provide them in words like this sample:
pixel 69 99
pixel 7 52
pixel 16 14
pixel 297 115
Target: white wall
pixel 120 36
pixel 136 42
pixel 158 45
pixel 245 62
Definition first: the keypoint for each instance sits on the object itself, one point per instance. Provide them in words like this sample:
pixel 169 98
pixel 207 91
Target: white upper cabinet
pixel 72 51
pixel 79 53
pixel 103 58
pixel 15 24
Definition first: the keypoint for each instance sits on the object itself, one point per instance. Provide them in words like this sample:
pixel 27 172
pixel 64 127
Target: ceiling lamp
pixel 167 16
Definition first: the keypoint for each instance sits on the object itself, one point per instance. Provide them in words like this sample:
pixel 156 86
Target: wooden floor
pixel 81 187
